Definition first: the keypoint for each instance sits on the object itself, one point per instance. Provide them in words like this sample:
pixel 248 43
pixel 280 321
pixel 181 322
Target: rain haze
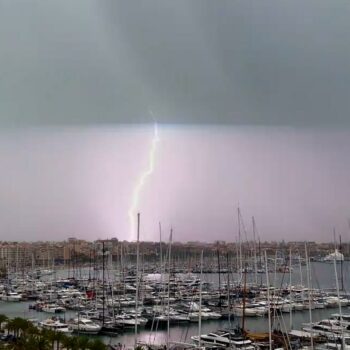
pixel 251 100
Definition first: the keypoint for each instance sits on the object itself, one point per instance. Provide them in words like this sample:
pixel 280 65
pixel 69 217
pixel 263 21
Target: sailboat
pixel 336 255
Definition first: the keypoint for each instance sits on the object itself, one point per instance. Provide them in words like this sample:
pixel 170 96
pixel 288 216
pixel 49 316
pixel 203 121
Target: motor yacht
pixel 84 326
pixel 55 325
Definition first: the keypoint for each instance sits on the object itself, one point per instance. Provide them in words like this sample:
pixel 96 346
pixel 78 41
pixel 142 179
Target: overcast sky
pixel 252 99
pixel 252 62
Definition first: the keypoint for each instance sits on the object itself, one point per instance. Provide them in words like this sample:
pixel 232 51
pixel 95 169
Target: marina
pixel 174 175
pixel 175 308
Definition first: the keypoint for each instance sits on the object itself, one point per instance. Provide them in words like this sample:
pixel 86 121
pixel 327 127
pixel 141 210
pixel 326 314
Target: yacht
pixel 128 321
pixel 336 344
pixel 84 326
pixel 11 296
pixel 55 325
pixel 53 308
pixel 173 319
pixel 327 328
pixel 343 319
pixel 224 339
pixel 337 256
pixel 93 314
pixel 249 311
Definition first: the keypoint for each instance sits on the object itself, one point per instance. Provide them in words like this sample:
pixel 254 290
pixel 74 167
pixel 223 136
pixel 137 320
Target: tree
pixel 70 343
pixel 83 343
pixel 3 319
pixel 59 339
pixel 28 337
pixel 24 343
pixel 24 326
pixel 13 326
pixel 97 344
pixel 50 335
pixel 32 342
pixel 19 326
pixel 42 343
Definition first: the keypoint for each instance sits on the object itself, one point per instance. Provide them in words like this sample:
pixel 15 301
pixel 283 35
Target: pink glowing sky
pixel 62 182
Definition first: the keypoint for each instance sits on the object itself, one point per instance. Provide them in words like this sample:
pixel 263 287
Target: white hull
pixel 12 298
pixel 85 331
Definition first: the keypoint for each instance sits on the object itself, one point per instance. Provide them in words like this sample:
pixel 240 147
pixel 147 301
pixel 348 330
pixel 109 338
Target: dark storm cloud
pixel 251 62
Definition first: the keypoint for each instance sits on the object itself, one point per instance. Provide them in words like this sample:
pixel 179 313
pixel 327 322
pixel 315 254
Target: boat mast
pixel 218 256
pixel 339 303
pixel 33 262
pixel 161 252
pixel 301 276
pixel 341 264
pixel 244 290
pixel 90 264
pixel 112 296
pixel 290 289
pixel 16 259
pixel 228 292
pixel 48 256
pixel 268 301
pixel 103 282
pixel 237 256
pixel 240 242
pixel 309 292
pixel 169 263
pixel 137 275
pixel 260 261
pixel 200 303
pixel 275 274
pixel 122 266
pixel 255 260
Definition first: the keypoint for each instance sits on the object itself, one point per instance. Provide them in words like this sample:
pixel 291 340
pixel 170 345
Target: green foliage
pixel 3 319
pixel 31 342
pixel 97 344
pixel 83 343
pixel 30 337
pixel 70 343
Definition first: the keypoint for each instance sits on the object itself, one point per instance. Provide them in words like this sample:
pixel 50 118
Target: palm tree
pixel 18 345
pixel 97 344
pixel 42 343
pixel 12 326
pixel 83 342
pixel 33 330
pixel 70 343
pixel 50 335
pixel 3 319
pixel 24 325
pixel 32 342
pixel 59 339
pixel 19 326
pixel 25 342
pixel 28 336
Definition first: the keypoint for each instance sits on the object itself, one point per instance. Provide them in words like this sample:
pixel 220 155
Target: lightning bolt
pixel 142 180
